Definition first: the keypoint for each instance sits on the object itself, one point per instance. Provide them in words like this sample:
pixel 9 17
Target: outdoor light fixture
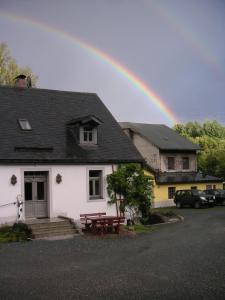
pixel 58 178
pixel 13 179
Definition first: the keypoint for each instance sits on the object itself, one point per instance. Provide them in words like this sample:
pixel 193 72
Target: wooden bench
pixel 105 224
pixel 85 222
pixel 116 224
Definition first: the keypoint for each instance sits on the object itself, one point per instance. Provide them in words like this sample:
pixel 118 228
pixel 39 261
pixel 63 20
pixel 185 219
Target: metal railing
pixel 10 203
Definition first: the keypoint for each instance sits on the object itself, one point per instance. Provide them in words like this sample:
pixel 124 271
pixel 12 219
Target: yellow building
pixel 170 159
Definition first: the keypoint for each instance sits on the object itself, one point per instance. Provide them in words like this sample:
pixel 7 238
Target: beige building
pixel 170 158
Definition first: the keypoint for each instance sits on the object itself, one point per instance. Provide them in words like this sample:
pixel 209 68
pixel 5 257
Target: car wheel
pixel 197 204
pixel 178 204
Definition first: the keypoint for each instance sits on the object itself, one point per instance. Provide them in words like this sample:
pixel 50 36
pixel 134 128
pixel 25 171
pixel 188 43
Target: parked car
pixel 194 198
pixel 219 196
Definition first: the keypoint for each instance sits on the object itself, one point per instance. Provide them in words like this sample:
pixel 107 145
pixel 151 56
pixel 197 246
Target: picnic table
pixel 105 224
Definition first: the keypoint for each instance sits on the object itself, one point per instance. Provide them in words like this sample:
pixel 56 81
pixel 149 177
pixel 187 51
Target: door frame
pixel 48 185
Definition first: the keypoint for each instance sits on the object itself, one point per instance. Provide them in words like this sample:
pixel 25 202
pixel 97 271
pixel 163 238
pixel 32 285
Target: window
pixel 185 163
pixel 171 192
pixel 95 184
pixel 214 186
pixel 194 187
pixel 171 163
pixel 88 135
pixel 24 124
pixel 208 187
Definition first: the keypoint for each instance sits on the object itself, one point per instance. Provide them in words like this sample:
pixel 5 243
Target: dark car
pixel 194 198
pixel 219 196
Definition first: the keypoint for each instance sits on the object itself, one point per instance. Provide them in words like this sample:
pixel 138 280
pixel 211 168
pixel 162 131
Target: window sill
pixel 96 200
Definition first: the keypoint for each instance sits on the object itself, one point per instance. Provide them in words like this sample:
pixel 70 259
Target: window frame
pixel 168 163
pixel 25 122
pixel 88 130
pixel 101 196
pixel 208 187
pixel 173 188
pixel 185 160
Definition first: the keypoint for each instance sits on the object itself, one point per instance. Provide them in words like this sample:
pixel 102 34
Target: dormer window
pixel 24 124
pixel 85 129
pixel 88 135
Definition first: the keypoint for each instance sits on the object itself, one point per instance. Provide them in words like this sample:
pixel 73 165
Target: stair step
pixel 51 228
pixel 49 225
pixel 51 234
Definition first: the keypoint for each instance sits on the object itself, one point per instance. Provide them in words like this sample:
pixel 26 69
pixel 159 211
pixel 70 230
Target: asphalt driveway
pixel 177 261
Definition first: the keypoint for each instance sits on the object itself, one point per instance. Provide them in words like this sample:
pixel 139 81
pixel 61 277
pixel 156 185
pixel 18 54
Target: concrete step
pixel 46 230
pixel 50 228
pixel 54 226
pixel 55 233
pixel 49 224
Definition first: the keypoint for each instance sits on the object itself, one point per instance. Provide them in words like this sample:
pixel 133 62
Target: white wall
pixel 8 193
pixel 69 198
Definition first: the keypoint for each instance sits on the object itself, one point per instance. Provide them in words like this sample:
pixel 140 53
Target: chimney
pixel 22 81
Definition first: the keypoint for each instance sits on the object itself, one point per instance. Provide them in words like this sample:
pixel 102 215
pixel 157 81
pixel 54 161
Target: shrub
pixel 17 232
pixel 153 218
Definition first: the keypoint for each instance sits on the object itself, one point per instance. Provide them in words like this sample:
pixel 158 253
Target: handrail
pixel 7 204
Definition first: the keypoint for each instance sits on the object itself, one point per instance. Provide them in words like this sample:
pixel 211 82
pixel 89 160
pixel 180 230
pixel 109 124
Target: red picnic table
pixel 105 224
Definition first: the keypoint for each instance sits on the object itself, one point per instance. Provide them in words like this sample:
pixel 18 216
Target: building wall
pixel 69 198
pixel 148 151
pixel 161 191
pixel 178 162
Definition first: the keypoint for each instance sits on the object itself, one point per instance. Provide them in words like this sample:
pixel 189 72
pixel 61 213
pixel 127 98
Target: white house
pixel 56 149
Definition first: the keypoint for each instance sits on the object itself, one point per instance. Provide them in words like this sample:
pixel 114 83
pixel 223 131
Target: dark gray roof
pixel 185 177
pixel 161 136
pixel 50 140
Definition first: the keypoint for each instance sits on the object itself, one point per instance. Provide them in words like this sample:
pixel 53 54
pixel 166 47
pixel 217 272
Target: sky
pixel 150 61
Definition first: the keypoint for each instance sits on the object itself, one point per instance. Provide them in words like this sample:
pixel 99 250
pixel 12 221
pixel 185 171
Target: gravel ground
pixel 185 260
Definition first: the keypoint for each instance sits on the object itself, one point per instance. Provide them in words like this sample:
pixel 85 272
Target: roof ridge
pixel 50 90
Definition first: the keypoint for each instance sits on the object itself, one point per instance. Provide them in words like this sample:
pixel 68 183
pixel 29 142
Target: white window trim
pixel 94 136
pixel 103 184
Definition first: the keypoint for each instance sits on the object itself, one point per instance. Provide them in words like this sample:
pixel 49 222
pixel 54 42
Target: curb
pixel 171 221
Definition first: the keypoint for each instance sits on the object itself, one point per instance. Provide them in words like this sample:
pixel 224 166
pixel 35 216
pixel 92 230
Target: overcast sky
pixel 177 47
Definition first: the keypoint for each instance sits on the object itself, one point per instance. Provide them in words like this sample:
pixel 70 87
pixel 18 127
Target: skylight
pixel 24 124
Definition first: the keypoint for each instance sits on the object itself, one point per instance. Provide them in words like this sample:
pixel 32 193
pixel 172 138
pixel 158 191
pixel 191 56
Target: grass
pixel 138 228
pixel 169 212
pixel 17 233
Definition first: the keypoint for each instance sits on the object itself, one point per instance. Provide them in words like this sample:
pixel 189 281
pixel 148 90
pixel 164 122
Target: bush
pixel 16 233
pixel 153 218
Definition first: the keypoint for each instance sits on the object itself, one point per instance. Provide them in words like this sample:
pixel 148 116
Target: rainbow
pixel 169 15
pixel 117 66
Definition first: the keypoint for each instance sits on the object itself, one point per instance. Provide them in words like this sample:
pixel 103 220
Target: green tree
pixel 9 68
pixel 135 188
pixel 210 136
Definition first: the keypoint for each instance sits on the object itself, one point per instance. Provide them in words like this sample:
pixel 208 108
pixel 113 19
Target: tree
pixel 210 136
pixel 135 188
pixel 9 68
